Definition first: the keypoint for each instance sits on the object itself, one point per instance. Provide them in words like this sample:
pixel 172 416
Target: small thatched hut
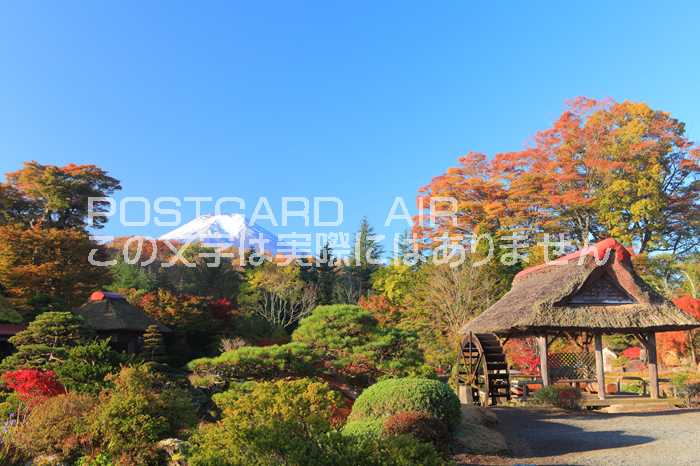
pixel 593 291
pixel 111 315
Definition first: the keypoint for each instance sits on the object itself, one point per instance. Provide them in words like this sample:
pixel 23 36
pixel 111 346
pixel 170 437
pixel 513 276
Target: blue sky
pixel 364 101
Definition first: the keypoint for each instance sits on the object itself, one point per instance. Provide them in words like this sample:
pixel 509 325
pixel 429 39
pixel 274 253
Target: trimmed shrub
pixel 291 422
pixel 365 429
pixel 421 425
pixel 563 397
pixel 404 450
pixel 389 397
pixel 258 362
pixel 351 341
pixel 56 426
pixel 142 408
pixel 266 422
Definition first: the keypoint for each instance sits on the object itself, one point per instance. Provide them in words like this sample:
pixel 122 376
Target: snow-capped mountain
pixel 224 231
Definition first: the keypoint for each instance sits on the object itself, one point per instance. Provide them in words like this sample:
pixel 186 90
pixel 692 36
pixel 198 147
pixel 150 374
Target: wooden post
pixel 599 365
pixel 544 370
pixel 653 369
pixel 465 395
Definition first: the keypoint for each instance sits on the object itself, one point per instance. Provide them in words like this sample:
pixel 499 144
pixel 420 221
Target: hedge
pixel 392 396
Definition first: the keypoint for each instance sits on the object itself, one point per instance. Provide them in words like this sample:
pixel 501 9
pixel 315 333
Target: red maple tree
pixel 33 385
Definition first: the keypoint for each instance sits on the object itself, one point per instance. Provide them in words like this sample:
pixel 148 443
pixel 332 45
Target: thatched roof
pixel 111 312
pixel 594 289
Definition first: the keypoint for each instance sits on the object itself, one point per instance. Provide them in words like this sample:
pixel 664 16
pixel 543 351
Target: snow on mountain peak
pixel 224 230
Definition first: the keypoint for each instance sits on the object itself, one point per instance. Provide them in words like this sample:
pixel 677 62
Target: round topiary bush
pixel 389 397
pixel 364 429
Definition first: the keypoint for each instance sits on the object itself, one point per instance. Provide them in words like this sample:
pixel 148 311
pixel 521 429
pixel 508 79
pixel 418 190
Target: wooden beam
pixel 599 365
pixel 653 369
pixel 544 370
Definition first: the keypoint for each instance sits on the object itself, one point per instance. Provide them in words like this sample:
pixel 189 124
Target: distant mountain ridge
pixel 224 230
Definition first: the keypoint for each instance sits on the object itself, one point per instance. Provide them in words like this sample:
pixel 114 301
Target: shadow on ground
pixel 536 433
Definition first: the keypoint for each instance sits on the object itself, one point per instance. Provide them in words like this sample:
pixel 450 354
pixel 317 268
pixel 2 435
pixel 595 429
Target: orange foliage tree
pixel 49 263
pixel 603 169
pixel 181 312
pixel 57 197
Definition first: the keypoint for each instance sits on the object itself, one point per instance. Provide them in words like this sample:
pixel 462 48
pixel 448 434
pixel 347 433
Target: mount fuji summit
pixel 225 230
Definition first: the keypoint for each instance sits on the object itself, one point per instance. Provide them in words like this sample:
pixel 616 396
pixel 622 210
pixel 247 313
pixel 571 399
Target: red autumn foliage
pixel 678 341
pixel 380 308
pixel 522 355
pixel 33 385
pixel 589 174
pixel 633 352
pixel 419 424
pixel 689 305
pixel 221 309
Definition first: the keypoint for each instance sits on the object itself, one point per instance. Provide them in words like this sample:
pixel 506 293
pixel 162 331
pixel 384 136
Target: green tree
pixel 326 274
pixel 366 256
pixel 86 366
pixel 352 342
pixel 126 276
pixel 278 294
pixel 208 277
pixel 7 312
pixel 153 345
pixel 46 341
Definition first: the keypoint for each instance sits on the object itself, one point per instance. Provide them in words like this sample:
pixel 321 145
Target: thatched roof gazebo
pixel 111 315
pixel 594 291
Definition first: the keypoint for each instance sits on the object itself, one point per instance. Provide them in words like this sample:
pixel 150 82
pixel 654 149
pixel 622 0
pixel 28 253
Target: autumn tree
pixel 15 208
pixel 278 294
pixel 57 197
pixel 183 312
pixel 52 263
pixel 445 298
pixel 603 169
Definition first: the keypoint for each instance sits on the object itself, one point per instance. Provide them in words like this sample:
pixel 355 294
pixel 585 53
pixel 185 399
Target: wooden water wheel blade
pixel 498 366
pixel 495 358
pixel 483 368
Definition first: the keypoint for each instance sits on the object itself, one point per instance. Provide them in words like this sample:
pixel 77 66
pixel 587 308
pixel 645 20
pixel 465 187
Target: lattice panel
pixel 571 366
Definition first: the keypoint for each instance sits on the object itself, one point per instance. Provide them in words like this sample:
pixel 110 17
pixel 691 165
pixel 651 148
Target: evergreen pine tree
pixel 153 345
pixel 326 275
pixel 366 254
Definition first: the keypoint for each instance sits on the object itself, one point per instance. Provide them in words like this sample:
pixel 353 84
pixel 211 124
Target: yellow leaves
pixel 620 169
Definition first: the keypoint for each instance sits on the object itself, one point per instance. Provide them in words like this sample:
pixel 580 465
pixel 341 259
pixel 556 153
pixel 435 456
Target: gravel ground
pixel 555 437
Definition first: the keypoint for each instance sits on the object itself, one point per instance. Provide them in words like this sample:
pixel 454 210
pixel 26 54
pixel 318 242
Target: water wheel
pixel 483 369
